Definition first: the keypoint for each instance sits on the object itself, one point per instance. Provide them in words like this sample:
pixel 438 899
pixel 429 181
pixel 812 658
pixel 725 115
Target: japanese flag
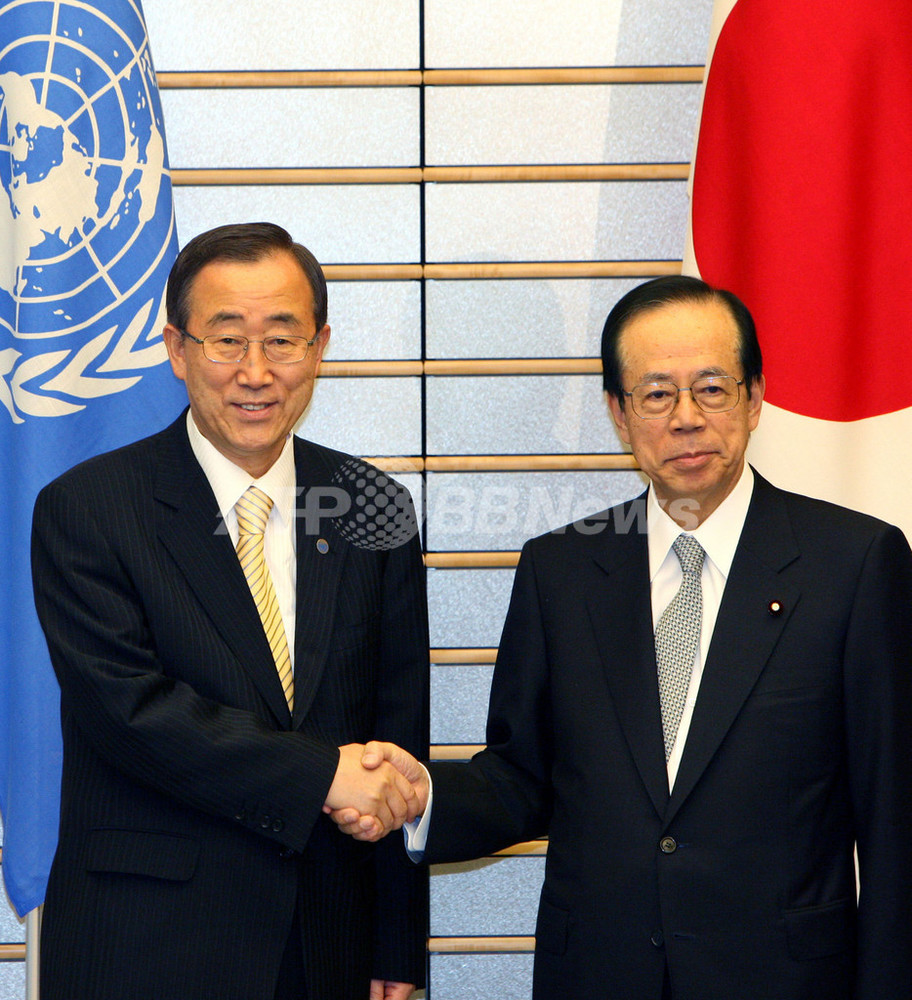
pixel 801 204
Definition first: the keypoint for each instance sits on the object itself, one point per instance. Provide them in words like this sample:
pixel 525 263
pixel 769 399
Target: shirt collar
pixel 229 481
pixel 719 534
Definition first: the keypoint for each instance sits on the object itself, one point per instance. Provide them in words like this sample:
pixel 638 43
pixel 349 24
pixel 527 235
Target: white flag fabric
pixel 801 204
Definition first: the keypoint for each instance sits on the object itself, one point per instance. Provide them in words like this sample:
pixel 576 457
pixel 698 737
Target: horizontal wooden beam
pixel 473 945
pixel 500 269
pixel 397 463
pixel 529 848
pixel 515 173
pixel 563 75
pixel 376 272
pixel 471 560
pixel 362 369
pixel 463 366
pixel 464 654
pixel 290 78
pixel 554 269
pixel 515 366
pixel 12 952
pixel 557 172
pixel 527 463
pixel 455 751
pixel 503 463
pixel 430 77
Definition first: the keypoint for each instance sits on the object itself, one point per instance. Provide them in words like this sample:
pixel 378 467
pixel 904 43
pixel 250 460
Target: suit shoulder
pixel 358 502
pixel 781 523
pixel 619 525
pixel 114 470
pixel 818 515
pixel 339 468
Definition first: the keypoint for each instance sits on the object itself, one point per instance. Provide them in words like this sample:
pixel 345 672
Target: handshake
pixel 377 788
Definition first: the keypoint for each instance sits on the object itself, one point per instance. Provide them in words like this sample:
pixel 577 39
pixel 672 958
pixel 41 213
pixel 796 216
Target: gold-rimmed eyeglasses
pixel 228 349
pixel 713 394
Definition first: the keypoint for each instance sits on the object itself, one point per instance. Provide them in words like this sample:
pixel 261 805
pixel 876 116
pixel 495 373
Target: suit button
pixel 287 852
pixel 265 822
pixel 657 938
pixel 668 845
pixel 278 825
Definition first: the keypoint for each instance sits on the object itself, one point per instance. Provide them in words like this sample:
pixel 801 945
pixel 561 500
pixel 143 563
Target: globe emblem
pixel 381 515
pixel 86 224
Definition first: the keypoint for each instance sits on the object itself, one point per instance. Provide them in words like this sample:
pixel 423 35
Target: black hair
pixel 244 242
pixel 663 291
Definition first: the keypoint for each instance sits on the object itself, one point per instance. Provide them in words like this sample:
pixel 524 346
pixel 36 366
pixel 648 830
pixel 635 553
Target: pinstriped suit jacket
pixel 191 819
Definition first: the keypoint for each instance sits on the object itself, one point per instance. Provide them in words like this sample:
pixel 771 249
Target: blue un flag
pixel 87 238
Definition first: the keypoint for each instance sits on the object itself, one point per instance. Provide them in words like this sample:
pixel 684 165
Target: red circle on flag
pixel 802 197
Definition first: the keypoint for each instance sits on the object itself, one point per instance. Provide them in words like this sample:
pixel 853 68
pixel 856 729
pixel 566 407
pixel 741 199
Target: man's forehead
pixel 277 275
pixel 678 334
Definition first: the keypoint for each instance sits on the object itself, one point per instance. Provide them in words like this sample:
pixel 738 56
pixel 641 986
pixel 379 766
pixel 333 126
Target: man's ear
pixel 320 346
pixel 619 416
pixel 755 401
pixel 174 342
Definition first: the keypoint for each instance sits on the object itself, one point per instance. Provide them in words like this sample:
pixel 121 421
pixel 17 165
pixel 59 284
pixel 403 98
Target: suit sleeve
pixel 400 953
pixel 503 795
pixel 144 720
pixel 878 705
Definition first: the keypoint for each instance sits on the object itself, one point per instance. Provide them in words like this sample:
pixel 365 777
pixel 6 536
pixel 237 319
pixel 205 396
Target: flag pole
pixel 32 952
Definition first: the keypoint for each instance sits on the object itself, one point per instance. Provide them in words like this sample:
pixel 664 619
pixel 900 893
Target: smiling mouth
pixel 253 407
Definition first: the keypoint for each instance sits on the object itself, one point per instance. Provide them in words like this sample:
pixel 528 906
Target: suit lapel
pixel 745 633
pixel 321 554
pixel 190 528
pixel 621 615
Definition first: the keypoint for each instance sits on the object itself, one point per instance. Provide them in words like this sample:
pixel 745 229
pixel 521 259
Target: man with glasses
pixel 704 698
pixel 226 634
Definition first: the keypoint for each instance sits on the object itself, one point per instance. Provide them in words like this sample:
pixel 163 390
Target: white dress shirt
pixel 229 482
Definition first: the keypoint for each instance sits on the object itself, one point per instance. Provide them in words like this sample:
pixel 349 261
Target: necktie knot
pixel 690 553
pixel 253 511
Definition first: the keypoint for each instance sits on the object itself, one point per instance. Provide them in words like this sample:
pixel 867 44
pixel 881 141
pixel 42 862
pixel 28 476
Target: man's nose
pixel 255 367
pixel 686 412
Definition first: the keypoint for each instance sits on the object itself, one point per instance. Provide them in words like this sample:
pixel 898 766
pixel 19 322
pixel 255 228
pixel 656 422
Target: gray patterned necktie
pixel 677 636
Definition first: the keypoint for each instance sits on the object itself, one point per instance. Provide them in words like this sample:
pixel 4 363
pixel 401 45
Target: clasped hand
pixel 377 788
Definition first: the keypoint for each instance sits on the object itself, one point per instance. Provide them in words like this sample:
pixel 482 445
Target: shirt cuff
pixel 416 832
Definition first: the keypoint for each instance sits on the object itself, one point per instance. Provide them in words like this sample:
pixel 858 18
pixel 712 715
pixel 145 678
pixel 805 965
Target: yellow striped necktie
pixel 252 512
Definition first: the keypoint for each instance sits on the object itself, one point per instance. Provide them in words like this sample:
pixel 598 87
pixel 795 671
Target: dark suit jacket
pixel 191 819
pixel 742 880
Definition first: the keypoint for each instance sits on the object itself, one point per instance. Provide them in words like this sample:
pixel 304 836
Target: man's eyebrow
pixel 223 316
pixel 288 318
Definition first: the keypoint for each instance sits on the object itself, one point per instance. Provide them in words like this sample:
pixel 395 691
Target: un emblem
pixel 86 222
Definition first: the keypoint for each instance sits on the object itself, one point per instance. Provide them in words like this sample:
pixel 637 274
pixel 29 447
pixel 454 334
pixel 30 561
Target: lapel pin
pixel 775 607
pixel 322 546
